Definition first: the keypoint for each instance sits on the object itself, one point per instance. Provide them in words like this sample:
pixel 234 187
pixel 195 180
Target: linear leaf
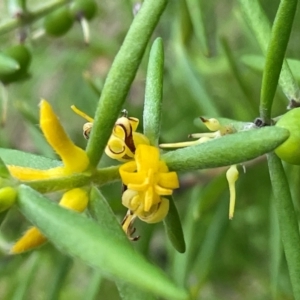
pixel 280 35
pixel 287 218
pixel 121 75
pixel 153 93
pixel 83 238
pixel 173 227
pixel 102 212
pixel 227 150
pixel 24 159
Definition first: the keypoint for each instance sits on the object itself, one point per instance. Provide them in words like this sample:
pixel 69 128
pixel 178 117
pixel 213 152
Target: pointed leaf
pixel 121 75
pixel 23 159
pixel 279 39
pixel 102 212
pixel 227 150
pixel 4 173
pixel 287 218
pixel 173 227
pixel 83 238
pixel 153 93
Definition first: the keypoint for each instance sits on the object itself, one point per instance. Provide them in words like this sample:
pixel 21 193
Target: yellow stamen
pixel 232 175
pixel 82 114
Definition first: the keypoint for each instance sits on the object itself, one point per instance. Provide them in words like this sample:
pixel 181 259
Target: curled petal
pixel 134 122
pixel 157 213
pixel 32 238
pixel 122 131
pixel 87 128
pixel 117 149
pixel 131 199
pixel 74 158
pixel 127 173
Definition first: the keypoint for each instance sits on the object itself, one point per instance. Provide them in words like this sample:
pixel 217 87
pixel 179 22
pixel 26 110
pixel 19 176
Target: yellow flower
pixel 75 159
pixel 147 179
pixel 123 140
pixel 75 199
pixel 218 131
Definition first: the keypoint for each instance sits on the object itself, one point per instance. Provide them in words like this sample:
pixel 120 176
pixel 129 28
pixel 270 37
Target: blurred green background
pixel 238 259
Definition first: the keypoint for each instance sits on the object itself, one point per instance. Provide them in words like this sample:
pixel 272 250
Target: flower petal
pixel 75 199
pixel 147 157
pixel 168 180
pixel 159 214
pixel 74 158
pixel 28 174
pixel 31 239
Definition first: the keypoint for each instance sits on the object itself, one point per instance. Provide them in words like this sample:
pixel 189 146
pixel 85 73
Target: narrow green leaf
pixel 94 286
pixel 201 200
pixel 257 62
pixel 2 217
pixel 248 106
pixel 83 238
pixel 214 234
pixel 173 227
pixel 22 288
pixel 287 218
pixel 102 212
pixel 195 8
pixel 8 65
pixel 153 92
pixel 27 112
pixel 4 173
pixel 227 150
pixel 91 83
pixel 121 75
pixel 281 31
pixel 24 159
pixel 259 23
pixel 193 81
pixel 64 263
pixel 276 251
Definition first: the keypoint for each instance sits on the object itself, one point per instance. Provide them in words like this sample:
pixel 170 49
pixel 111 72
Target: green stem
pixel 31 16
pixel 288 223
pixel 100 177
pixel 154 91
pixel 275 55
pixel 121 75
